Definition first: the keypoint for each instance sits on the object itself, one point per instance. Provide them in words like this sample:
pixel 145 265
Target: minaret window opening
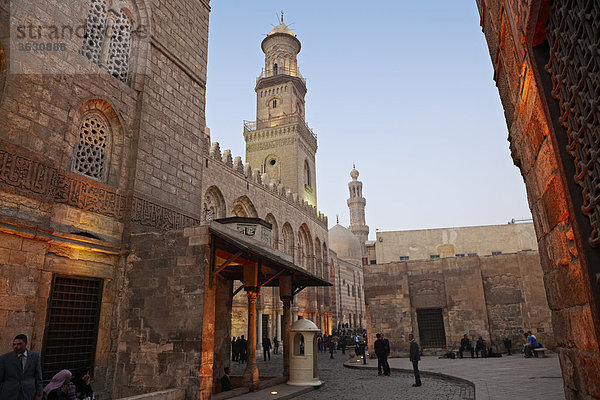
pixel 275 69
pixel 275 103
pixel 307 177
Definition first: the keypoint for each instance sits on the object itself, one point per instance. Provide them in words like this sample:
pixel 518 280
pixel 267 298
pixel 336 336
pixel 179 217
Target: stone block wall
pixel 160 329
pixel 27 266
pixel 516 35
pixel 493 296
pixel 388 305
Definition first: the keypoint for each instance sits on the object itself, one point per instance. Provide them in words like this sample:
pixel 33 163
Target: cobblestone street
pixel 355 384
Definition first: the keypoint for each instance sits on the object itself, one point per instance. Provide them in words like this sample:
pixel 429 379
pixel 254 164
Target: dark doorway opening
pixel 431 327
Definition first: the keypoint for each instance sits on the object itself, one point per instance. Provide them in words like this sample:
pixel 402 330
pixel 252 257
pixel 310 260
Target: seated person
pixel 82 382
pixel 465 344
pixel 225 381
pixel 531 344
pixel 480 347
pixel 507 345
pixel 58 388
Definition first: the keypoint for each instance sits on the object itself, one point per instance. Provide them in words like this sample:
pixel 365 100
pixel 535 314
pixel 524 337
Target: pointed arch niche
pixel 213 206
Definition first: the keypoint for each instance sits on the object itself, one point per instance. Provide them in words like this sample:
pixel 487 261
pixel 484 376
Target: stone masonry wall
pixel 492 296
pixel 510 29
pixel 160 331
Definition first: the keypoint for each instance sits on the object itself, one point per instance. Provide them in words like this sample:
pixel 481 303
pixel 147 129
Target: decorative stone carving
pixel 573 44
pixel 50 184
pixel 90 153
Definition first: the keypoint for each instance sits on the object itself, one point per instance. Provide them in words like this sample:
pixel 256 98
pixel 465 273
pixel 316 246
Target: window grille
pixel 91 150
pixel 94 31
pixel 574 68
pixel 120 47
pixel 404 258
pixel 72 325
pixel 107 39
pixel 432 256
pixel 431 327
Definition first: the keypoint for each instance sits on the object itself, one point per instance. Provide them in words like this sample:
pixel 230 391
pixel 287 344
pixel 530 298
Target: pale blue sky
pixel 403 89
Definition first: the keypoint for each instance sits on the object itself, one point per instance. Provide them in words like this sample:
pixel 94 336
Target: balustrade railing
pixel 250 126
pixel 268 73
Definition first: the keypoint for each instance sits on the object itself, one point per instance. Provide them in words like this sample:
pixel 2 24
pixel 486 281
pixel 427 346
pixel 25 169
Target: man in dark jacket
pixel 414 358
pixel 465 344
pixel 20 372
pixel 225 381
pixel 381 352
pixel 266 343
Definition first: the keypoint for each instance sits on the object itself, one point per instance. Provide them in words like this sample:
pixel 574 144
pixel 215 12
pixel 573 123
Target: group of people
pixel 480 347
pixel 382 351
pixel 239 349
pixel 21 377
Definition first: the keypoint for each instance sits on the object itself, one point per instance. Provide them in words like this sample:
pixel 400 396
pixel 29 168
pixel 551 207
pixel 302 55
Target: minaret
pixel 356 204
pixel 279 142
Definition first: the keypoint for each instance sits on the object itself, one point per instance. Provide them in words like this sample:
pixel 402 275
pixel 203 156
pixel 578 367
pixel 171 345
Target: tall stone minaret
pixel 356 204
pixel 279 142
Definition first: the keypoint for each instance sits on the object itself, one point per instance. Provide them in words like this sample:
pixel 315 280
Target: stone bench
pixel 539 352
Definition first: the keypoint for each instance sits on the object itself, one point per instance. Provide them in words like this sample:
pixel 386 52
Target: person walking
pixel 414 358
pixel 382 354
pixel 233 349
pixel 266 344
pixel 275 345
pixel 331 344
pixel 20 372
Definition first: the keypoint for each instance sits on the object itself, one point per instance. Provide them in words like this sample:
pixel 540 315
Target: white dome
pixel 344 243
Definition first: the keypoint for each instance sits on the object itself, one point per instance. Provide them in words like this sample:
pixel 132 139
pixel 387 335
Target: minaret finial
pixel 337 218
pixel 353 165
pixel 282 16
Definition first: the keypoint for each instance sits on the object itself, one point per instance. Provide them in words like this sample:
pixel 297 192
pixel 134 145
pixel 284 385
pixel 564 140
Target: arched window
pixel 107 39
pixel 274 103
pixel 307 175
pixel 91 151
pixel 348 290
pixel 275 69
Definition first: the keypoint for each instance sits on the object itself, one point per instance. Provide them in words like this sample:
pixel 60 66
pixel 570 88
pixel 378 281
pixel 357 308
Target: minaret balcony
pixel 250 126
pixel 280 71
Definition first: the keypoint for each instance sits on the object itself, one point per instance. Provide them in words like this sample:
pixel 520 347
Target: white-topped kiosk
pixel 303 357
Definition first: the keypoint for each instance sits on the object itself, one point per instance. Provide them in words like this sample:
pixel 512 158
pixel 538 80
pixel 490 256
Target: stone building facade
pixel 546 68
pixel 495 294
pixel 109 192
pixel 465 241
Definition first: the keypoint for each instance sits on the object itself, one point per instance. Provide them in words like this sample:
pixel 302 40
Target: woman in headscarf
pixel 58 388
pixel 82 381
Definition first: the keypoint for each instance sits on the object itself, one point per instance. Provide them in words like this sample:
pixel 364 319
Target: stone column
pixel 286 323
pixel 294 311
pixel 250 375
pixel 285 294
pixel 259 332
pixel 278 332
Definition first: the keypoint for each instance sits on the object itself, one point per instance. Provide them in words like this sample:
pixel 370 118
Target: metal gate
pixel 72 325
pixel 431 327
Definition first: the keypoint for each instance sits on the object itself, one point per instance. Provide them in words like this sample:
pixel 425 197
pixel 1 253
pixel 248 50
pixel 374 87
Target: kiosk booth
pixel 303 357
